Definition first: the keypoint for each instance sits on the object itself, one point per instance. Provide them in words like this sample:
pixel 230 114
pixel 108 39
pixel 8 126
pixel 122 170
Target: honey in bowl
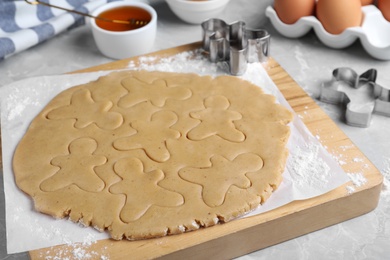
pixel 137 17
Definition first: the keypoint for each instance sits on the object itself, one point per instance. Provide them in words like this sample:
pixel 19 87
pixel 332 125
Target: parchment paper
pixel 23 100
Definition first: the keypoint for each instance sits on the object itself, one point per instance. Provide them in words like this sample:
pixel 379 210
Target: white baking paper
pixel 310 170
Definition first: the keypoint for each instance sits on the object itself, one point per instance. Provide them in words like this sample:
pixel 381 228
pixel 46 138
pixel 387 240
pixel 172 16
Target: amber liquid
pixel 125 13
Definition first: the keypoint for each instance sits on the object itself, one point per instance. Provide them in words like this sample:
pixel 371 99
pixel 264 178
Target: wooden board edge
pixel 282 229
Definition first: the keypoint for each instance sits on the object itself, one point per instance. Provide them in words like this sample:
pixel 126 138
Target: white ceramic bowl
pixel 125 44
pixel 196 12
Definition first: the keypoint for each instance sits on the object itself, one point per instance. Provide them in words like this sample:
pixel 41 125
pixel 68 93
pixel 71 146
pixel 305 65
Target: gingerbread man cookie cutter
pixel 360 93
pixel 234 44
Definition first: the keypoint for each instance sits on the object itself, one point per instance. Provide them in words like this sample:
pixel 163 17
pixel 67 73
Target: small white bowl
pixel 125 44
pixel 196 12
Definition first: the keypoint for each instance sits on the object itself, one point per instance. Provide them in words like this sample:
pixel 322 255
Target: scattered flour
pixel 190 61
pixel 357 179
pixel 75 251
pixel 339 158
pixel 307 168
pixel 18 101
pixel 357 159
pixel 386 180
pixel 71 250
pixel 350 189
pixel 346 147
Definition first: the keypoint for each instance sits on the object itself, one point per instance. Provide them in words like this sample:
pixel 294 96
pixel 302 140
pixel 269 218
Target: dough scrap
pixel 148 154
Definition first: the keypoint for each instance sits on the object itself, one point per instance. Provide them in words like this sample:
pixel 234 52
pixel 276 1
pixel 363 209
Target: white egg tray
pixel 374 33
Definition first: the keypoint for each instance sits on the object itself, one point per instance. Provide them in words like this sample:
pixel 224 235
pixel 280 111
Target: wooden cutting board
pixel 243 236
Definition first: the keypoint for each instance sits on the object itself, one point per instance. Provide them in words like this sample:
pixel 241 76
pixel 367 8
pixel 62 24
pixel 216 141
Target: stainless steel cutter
pixel 360 93
pixel 234 44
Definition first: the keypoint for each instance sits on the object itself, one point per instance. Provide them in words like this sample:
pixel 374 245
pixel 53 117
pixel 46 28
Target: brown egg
pixel 367 2
pixel 289 11
pixel 384 6
pixel 338 15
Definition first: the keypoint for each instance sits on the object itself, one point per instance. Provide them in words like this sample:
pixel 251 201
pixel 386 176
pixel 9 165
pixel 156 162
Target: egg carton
pixel 374 33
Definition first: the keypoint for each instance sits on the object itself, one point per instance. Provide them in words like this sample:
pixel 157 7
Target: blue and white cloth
pixel 23 25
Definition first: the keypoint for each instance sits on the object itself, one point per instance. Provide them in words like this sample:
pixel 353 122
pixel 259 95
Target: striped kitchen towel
pixel 23 25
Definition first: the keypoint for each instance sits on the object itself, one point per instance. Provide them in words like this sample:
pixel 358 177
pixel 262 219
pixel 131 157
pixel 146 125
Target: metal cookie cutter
pixel 360 93
pixel 234 44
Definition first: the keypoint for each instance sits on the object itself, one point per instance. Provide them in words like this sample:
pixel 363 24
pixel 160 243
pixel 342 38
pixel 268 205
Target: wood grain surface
pixel 243 236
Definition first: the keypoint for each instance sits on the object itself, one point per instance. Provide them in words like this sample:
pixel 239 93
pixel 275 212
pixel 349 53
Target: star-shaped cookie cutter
pixel 360 93
pixel 234 44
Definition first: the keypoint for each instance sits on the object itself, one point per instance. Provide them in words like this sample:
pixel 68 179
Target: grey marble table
pixel 306 59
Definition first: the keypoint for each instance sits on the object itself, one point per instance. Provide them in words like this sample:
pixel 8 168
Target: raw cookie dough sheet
pixel 23 101
pixel 145 154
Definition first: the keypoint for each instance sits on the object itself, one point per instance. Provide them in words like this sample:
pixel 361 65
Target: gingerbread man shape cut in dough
pixel 141 189
pixel 157 92
pixel 86 111
pixel 217 179
pixel 147 138
pixel 216 119
pixel 77 168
